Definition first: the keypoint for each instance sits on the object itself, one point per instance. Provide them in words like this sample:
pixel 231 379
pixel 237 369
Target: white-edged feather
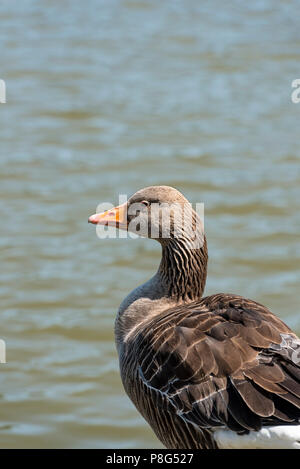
pixel 279 437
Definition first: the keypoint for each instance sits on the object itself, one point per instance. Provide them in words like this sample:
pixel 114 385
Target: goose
pixel 212 372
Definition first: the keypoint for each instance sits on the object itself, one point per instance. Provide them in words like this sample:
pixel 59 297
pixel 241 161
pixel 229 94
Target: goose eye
pixel 145 202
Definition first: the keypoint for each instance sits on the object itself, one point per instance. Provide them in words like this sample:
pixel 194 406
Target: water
pixel 105 98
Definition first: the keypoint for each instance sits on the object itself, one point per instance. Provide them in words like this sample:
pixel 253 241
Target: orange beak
pixel 116 217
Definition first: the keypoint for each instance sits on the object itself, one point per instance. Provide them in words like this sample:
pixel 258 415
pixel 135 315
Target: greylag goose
pixel 215 372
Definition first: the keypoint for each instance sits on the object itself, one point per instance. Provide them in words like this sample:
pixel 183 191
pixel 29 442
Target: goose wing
pixel 223 361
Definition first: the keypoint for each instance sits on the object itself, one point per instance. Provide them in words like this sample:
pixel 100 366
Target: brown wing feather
pixel 224 360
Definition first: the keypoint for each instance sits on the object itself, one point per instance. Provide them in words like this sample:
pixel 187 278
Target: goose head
pixel 157 212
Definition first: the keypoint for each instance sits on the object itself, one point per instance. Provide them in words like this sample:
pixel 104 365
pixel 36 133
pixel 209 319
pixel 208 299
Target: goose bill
pixel 116 217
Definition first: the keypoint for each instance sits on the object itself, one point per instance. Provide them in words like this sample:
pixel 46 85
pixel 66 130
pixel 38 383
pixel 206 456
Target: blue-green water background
pixel 105 97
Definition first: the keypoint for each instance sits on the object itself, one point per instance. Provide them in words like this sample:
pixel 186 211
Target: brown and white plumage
pixel 223 361
pixel 219 371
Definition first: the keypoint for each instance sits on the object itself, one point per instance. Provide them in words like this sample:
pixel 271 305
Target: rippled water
pixel 105 98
